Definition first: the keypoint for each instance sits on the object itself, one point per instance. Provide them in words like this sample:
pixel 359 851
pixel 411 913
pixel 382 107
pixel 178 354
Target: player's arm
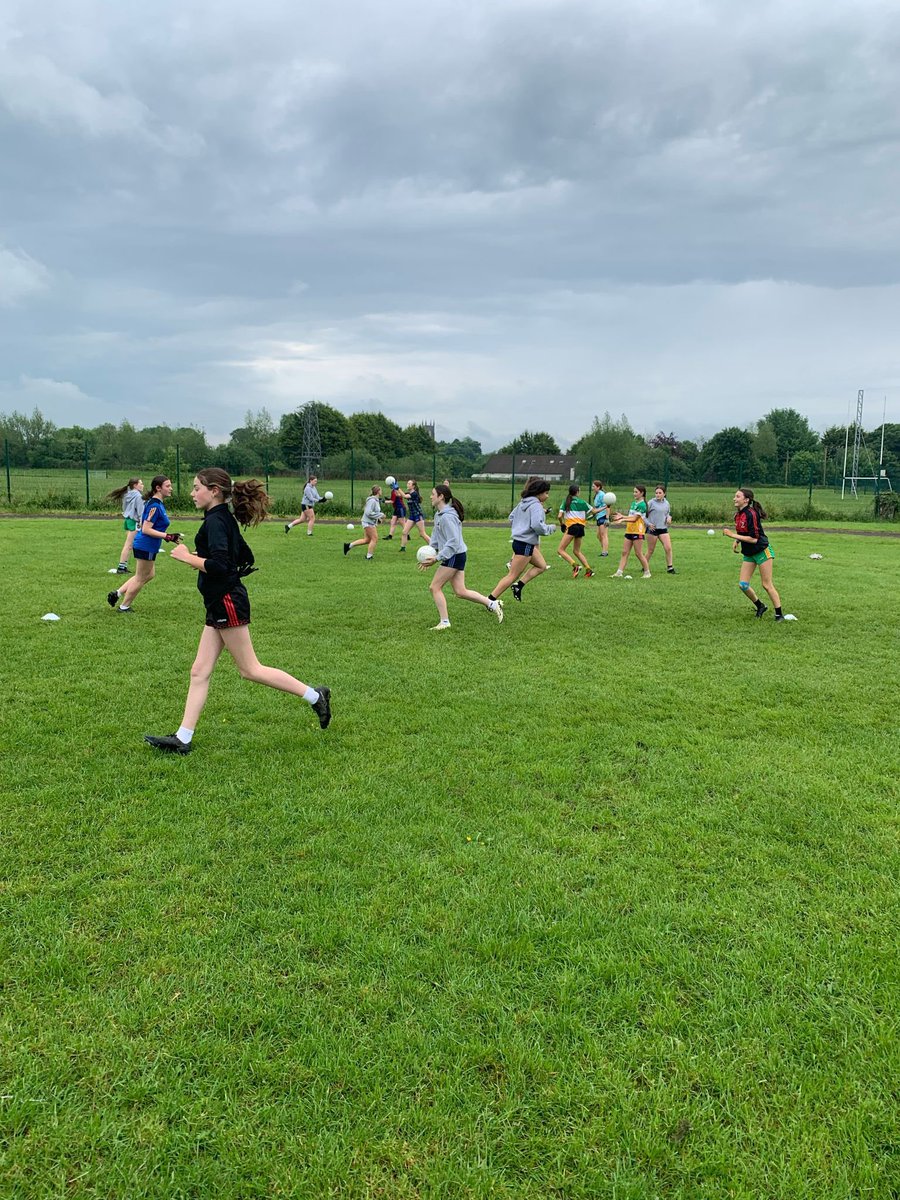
pixel 147 527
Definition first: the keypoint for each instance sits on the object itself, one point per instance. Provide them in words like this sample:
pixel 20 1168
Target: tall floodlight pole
pixel 857 442
pixel 311 448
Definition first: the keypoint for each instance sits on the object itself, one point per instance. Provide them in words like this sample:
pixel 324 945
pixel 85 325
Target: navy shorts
pixel 457 562
pixel 400 511
pixel 602 521
pixel 575 531
pixel 525 548
pixel 231 611
pixel 634 537
pixel 147 555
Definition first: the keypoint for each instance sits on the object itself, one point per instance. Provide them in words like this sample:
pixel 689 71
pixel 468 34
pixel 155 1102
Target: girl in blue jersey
pixel 601 512
pixel 148 541
pixel 451 552
pixel 222 562
pixel 414 519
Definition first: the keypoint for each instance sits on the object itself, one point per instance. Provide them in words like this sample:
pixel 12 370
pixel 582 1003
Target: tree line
pixel 779 448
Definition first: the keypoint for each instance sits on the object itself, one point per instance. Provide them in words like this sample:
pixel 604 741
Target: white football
pixel 710 533
pixel 390 481
pixel 329 495
pixel 425 554
pixel 350 526
pixel 609 498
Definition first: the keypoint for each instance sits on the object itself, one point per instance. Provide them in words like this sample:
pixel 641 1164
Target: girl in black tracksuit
pixel 223 559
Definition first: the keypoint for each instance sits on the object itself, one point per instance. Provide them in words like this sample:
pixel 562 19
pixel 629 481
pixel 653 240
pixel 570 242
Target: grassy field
pixel 600 902
pixel 60 489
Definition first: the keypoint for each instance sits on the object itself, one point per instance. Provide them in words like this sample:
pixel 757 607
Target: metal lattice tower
pixel 857 442
pixel 311 449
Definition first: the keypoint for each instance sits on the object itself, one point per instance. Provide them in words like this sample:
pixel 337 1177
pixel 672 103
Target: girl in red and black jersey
pixel 750 540
pixel 223 560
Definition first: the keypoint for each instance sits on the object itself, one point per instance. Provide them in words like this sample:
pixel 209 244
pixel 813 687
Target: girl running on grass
pixel 371 518
pixel 222 560
pixel 659 518
pixel 573 514
pixel 132 512
pixel 601 512
pixel 451 550
pixel 528 526
pixel 635 525
pixel 148 541
pixel 308 504
pixel 414 519
pixel 750 540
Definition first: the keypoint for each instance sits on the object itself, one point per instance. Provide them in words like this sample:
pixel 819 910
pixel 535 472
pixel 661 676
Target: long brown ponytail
pixel 249 500
pixel 443 490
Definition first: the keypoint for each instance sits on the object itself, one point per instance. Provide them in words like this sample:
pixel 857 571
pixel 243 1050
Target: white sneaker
pixel 646 575
pixel 441 625
pixel 496 608
pixel 617 575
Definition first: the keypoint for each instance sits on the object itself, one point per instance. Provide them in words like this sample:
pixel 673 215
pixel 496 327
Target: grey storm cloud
pixel 514 214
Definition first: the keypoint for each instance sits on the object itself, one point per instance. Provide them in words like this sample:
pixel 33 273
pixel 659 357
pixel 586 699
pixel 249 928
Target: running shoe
pixel 171 743
pixel 322 707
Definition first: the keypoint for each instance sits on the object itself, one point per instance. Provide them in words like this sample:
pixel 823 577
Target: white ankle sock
pixel 310 695
pixel 184 735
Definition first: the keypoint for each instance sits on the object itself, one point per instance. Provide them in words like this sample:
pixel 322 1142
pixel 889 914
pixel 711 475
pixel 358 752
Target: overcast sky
pixel 505 215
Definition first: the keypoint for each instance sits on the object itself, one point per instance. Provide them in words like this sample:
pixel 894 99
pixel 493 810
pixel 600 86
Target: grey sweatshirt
pixel 527 520
pixel 657 511
pixel 372 512
pixel 133 505
pixel 311 495
pixel 446 537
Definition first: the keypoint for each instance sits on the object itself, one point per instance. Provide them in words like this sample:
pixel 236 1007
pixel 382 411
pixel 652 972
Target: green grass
pixel 601 902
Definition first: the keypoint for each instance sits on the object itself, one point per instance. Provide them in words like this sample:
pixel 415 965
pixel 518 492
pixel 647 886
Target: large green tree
pixel 418 440
pixel 531 443
pixel 612 451
pixel 727 457
pixel 792 433
pixel 378 434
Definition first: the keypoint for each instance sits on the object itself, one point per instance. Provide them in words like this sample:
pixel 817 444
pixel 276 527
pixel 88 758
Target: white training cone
pixel 49 617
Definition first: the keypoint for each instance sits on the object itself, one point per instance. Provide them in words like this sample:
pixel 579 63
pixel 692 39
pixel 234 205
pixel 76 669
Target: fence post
pixel 666 469
pixel 434 470
pixel 513 473
pixel 178 470
pixel 87 478
pixel 266 467
pixel 352 476
pixel 809 502
pixel 6 455
pixel 877 493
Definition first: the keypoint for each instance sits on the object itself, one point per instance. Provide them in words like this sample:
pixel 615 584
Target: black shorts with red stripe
pixel 232 610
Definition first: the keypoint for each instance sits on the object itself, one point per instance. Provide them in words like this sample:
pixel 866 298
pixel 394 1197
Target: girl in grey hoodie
pixel 450 557
pixel 371 518
pixel 528 527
